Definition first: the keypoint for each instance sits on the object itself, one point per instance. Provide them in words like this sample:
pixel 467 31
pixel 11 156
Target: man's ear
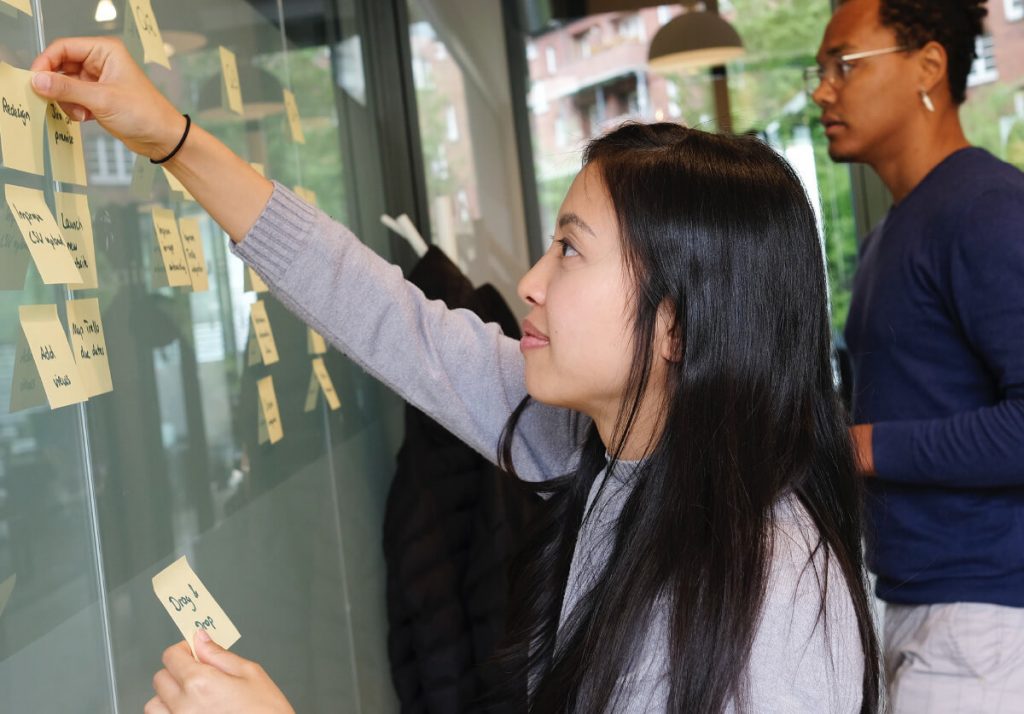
pixel 933 63
pixel 670 337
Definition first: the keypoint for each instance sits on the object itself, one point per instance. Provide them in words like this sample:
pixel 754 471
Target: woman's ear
pixel 670 338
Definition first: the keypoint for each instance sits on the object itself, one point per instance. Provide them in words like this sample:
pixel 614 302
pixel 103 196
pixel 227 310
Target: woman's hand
pixel 96 78
pixel 219 683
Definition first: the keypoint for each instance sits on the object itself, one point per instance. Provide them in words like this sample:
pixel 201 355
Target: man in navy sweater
pixel 936 337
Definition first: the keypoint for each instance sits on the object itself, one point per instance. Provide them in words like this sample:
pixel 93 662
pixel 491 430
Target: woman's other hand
pixel 219 683
pixel 96 78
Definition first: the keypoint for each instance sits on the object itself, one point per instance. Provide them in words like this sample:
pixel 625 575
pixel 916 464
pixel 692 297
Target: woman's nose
pixel 533 285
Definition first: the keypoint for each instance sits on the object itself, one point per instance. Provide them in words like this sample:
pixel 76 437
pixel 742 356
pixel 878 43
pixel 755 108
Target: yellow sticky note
pixel 67 158
pixel 26 389
pixel 22 117
pixel 195 256
pixel 178 187
pixel 264 335
pixel 44 239
pixel 57 370
pixel 253 356
pixel 14 255
pixel 89 345
pixel 253 282
pixel 24 5
pixel 322 376
pixel 294 120
pixel 231 88
pixel 262 437
pixel 311 392
pixel 143 175
pixel 192 606
pixel 76 224
pixel 165 227
pixel 144 30
pixel 268 403
pixel 260 169
pixel 6 589
pixel 315 344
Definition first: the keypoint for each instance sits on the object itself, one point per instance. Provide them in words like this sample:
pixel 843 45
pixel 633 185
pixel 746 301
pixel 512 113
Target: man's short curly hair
pixel 954 24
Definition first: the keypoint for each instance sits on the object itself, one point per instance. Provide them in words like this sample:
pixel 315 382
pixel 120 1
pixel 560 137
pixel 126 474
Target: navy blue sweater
pixel 936 337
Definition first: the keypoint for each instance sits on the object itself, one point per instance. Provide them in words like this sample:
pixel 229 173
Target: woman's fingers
pixel 216 656
pixel 167 688
pixel 68 52
pixel 68 91
pixel 155 706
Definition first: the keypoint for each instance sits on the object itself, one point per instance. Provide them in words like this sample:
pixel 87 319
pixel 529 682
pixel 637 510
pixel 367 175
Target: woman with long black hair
pixel 672 397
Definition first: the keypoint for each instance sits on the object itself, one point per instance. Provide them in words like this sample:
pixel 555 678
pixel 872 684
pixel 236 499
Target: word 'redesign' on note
pixel 191 606
pixel 75 222
pixel 294 120
pixel 270 416
pixel 67 158
pixel 195 256
pixel 22 118
pixel 320 381
pixel 231 90
pixel 55 365
pixel 89 345
pixel 142 35
pixel 43 237
pixel 165 227
pixel 264 335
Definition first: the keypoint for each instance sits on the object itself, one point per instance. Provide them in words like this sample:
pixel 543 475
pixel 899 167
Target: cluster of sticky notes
pixel 180 244
pixel 294 120
pixel 142 34
pixel 191 606
pixel 269 419
pixel 320 382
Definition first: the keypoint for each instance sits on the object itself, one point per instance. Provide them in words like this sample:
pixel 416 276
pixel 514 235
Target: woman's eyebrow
pixel 573 219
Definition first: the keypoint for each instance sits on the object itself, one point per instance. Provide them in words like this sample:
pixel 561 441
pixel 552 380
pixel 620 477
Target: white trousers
pixel 960 657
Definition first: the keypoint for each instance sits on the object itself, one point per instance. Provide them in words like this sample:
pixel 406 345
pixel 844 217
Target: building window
pixel 1014 10
pixel 664 14
pixel 630 27
pixel 582 43
pixel 551 57
pixel 108 162
pixel 452 120
pixel 531 51
pixel 984 68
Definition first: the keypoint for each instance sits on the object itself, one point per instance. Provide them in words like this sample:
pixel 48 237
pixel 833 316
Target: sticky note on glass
pixel 253 356
pixel 253 282
pixel 294 120
pixel 6 588
pixel 44 239
pixel 14 255
pixel 143 34
pixel 177 187
pixel 22 118
pixel 165 226
pixel 264 335
pixel 321 379
pixel 231 90
pixel 315 344
pixel 143 175
pixel 191 605
pixel 306 195
pixel 26 388
pixel 67 158
pixel 89 345
pixel 76 225
pixel 268 407
pixel 260 169
pixel 195 256
pixel 51 353
pixel 24 5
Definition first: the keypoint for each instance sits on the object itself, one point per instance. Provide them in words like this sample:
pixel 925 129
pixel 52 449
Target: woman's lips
pixel 532 337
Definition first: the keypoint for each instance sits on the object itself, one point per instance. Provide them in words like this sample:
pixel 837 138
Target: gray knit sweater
pixel 468 376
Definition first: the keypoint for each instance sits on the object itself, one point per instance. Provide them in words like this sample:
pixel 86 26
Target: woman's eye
pixel 566 247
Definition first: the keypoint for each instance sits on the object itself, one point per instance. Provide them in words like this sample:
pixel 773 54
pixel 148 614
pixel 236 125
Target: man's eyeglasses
pixel 837 70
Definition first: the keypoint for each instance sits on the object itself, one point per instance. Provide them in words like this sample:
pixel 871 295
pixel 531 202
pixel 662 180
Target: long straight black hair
pixel 719 229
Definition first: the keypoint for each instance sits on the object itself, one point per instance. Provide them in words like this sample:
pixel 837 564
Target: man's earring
pixel 927 101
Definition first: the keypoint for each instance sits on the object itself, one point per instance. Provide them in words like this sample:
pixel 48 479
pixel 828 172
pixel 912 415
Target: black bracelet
pixel 188 125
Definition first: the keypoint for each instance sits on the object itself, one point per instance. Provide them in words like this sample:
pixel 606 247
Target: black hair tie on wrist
pixel 188 125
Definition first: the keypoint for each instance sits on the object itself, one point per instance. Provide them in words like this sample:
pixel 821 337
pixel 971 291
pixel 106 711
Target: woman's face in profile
pixel 578 334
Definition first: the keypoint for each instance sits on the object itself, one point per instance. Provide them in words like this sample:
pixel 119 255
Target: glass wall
pixel 97 497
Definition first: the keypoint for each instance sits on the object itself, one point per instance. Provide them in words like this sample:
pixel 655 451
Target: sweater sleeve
pixel 983 447
pixel 462 372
